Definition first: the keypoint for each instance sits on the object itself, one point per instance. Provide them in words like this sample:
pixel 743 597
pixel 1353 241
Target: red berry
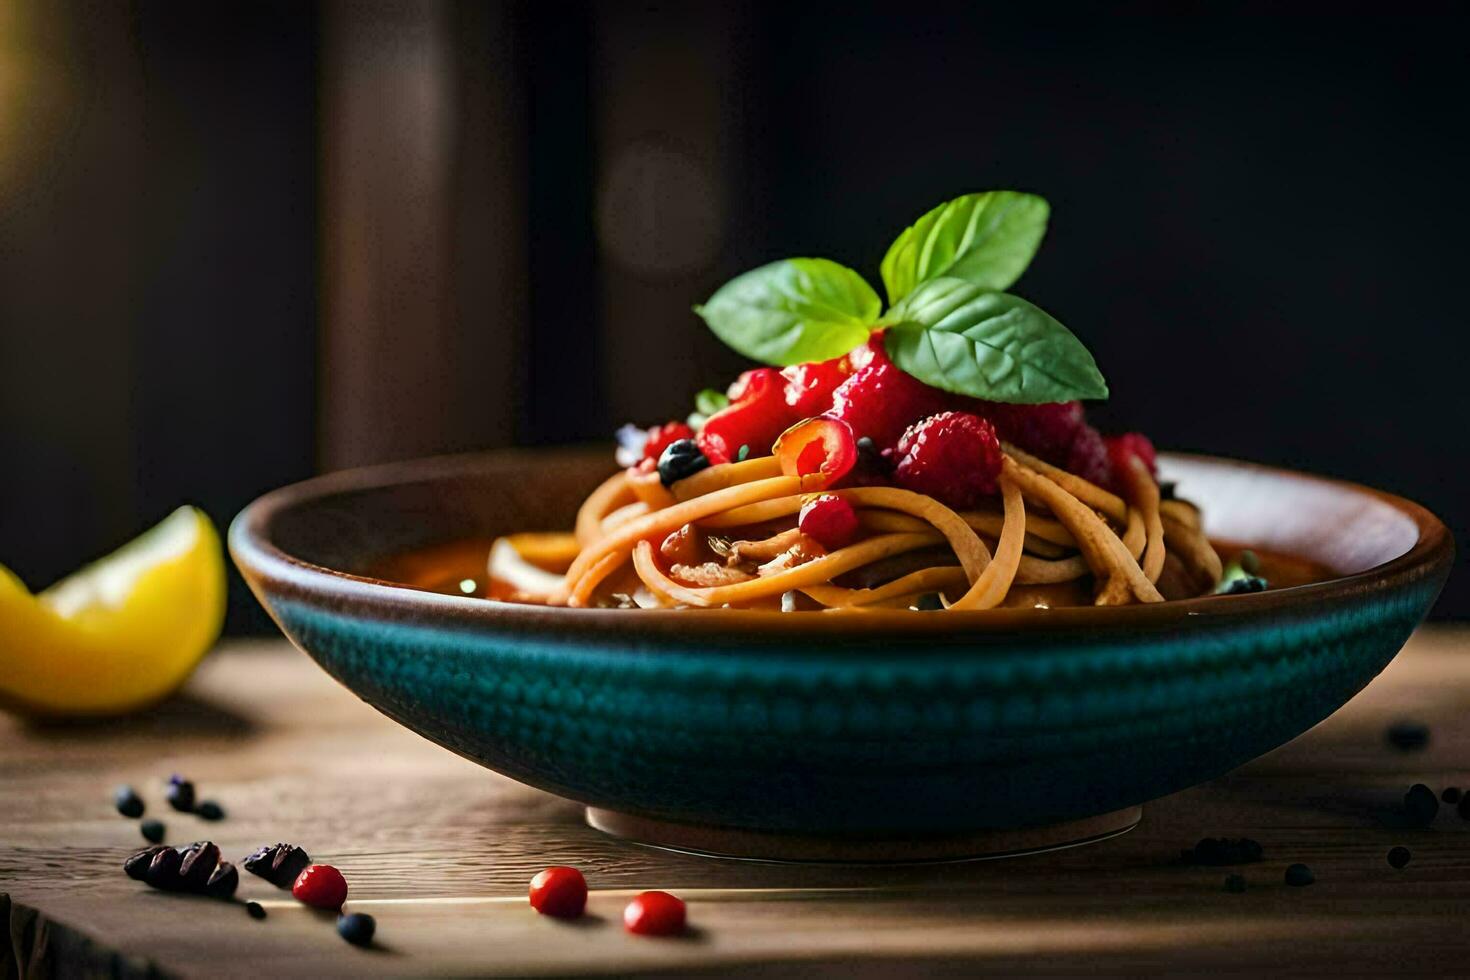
pixel 1046 430
pixel 321 886
pixel 1129 444
pixel 829 519
pixel 820 451
pixel 954 457
pixel 809 386
pixel 756 415
pixel 660 436
pixel 654 914
pixel 880 401
pixel 1088 458
pixel 559 891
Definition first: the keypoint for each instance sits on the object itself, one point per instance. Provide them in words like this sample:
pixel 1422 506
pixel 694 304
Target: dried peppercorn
pixel 180 793
pixel 1299 875
pixel 1421 805
pixel 279 864
pixel 127 801
pixel 152 830
pixel 1398 857
pixel 255 910
pixel 209 810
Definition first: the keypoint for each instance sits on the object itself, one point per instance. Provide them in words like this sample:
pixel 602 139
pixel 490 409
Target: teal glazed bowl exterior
pixel 883 725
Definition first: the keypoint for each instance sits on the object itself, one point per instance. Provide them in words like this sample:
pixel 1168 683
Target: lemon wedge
pixel 122 633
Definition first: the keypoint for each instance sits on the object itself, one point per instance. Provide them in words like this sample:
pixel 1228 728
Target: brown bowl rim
pixel 266 565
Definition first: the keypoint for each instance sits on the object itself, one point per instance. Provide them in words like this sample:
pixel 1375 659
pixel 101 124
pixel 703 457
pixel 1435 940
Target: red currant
pixel 654 914
pixel 829 519
pixel 559 891
pixel 321 886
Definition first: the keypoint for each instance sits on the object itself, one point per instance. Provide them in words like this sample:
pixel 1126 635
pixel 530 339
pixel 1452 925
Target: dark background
pixel 241 243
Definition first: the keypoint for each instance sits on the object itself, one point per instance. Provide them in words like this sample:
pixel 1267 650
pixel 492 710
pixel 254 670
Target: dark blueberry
pixel 137 863
pixel 1216 851
pixel 180 794
pixel 1407 736
pixel 1241 586
pixel 152 830
pixel 1298 875
pixel 222 881
pixel 196 863
pixel 127 801
pixel 163 870
pixel 1235 883
pixel 1420 805
pixel 357 928
pixel 680 459
pixel 929 602
pixel 1398 856
pixel 209 810
pixel 1451 794
pixel 280 864
pixel 255 910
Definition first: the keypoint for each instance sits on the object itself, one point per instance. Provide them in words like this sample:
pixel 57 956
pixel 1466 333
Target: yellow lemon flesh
pixel 120 634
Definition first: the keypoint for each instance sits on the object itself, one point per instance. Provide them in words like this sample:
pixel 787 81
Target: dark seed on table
pixel 136 866
pixel 1451 794
pixel 357 928
pixel 180 794
pixel 1216 851
pixel 1235 883
pixel 197 863
pixel 163 870
pixel 1398 856
pixel 1407 736
pixel 280 864
pixel 255 910
pixel 1421 805
pixel 127 801
pixel 209 810
pixel 223 882
pixel 152 830
pixel 1298 875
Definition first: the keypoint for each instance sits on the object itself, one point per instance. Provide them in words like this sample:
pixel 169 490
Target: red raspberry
pixel 880 401
pixel 756 415
pixel 809 386
pixel 660 436
pixel 1129 444
pixel 654 914
pixel 954 458
pixel 829 519
pixel 1046 430
pixel 321 886
pixel 560 892
pixel 1088 458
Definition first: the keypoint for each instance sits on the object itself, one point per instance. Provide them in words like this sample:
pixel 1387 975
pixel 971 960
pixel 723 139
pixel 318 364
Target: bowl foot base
pixel 758 845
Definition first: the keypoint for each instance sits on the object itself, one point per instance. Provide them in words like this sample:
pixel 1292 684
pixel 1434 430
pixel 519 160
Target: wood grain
pixel 440 851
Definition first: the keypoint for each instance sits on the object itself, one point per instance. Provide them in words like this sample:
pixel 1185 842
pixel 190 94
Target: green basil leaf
pixel 793 311
pixel 987 239
pixel 709 401
pixel 954 335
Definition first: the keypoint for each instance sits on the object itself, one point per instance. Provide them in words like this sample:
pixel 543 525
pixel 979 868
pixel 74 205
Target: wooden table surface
pixel 440 850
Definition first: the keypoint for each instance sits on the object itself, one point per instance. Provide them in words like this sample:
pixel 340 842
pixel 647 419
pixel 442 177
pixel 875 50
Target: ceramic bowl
pixel 893 726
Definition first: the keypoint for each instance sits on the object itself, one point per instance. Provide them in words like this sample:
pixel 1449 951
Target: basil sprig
pixel 950 324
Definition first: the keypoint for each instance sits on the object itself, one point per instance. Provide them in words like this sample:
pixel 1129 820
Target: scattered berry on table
pixel 829 519
pixel 953 457
pixel 560 892
pixel 321 886
pixel 679 460
pixel 1088 458
pixel 1235 883
pixel 1245 585
pixel 1216 851
pixel 180 794
pixel 153 830
pixel 127 801
pixel 357 928
pixel 255 910
pixel 280 864
pixel 209 810
pixel 1420 805
pixel 1398 857
pixel 654 914
pixel 1298 875
pixel 1407 736
pixel 1043 430
pixel 881 402
pixel 1451 794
